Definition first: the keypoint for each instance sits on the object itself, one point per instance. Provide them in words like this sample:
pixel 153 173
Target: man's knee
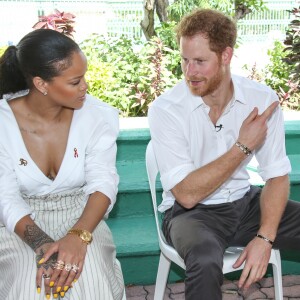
pixel 204 251
pixel 206 254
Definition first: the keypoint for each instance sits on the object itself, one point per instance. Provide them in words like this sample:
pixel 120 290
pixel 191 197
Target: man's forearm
pixel 204 181
pixel 273 201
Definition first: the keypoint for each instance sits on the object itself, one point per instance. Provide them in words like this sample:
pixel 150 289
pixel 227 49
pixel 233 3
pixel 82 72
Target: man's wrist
pixel 265 239
pixel 243 148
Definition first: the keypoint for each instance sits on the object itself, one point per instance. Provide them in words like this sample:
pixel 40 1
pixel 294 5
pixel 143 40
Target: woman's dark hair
pixel 42 52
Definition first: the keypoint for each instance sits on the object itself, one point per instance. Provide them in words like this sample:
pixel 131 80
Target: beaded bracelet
pixel 264 238
pixel 244 148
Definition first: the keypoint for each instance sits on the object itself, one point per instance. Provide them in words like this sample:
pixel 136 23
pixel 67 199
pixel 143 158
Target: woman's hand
pixel 44 269
pixel 70 253
pixel 39 242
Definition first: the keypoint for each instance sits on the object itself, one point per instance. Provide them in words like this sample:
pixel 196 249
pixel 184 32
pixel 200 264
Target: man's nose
pixel 190 69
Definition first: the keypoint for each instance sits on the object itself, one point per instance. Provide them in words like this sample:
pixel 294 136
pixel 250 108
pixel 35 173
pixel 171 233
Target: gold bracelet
pixel 264 238
pixel 244 148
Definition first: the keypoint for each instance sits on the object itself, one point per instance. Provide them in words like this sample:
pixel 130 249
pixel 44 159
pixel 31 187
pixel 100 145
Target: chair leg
pixel 162 277
pixel 277 276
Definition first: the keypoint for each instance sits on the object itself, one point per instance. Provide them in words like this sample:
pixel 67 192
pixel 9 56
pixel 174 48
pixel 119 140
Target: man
pixel 205 130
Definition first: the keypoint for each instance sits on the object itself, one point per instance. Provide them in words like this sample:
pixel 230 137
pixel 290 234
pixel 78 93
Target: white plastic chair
pixel 169 254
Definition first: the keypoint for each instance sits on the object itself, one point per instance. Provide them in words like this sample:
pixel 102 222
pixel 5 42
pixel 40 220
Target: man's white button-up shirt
pixel 185 139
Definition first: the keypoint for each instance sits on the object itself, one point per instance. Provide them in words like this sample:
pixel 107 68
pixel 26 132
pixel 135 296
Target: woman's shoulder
pixel 94 103
pixel 98 111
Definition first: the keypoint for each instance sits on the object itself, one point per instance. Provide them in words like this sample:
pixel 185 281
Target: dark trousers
pixel 201 235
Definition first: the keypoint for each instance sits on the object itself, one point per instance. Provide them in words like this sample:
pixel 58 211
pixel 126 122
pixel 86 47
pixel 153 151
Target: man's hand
pixel 254 128
pixel 256 257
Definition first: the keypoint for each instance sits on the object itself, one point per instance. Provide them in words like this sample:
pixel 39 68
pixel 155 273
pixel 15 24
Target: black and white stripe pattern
pixel 101 277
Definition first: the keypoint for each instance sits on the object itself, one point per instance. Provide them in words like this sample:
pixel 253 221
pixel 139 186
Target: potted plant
pixel 59 21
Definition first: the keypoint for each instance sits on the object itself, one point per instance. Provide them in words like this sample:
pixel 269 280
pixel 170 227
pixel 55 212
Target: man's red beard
pixel 208 85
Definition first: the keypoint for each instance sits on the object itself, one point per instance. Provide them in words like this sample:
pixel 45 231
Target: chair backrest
pixel 152 171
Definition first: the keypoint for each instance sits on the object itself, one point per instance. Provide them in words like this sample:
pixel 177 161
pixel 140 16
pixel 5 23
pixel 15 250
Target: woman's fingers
pixel 73 275
pixel 38 280
pixel 43 277
pixel 58 268
pixel 64 275
pixel 67 276
pixel 46 278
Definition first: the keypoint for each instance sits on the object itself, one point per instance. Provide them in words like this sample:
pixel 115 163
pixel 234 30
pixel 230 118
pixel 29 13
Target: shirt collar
pixel 196 101
pixel 238 94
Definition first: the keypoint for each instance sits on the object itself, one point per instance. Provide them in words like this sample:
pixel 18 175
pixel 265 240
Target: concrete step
pixel 134 198
pixel 137 249
pixel 132 144
pixel 133 176
pixel 295 162
pixel 292 136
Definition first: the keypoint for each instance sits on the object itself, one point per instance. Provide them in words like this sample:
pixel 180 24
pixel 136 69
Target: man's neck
pixel 219 99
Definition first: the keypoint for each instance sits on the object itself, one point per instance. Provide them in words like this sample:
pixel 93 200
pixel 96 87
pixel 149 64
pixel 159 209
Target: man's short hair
pixel 219 29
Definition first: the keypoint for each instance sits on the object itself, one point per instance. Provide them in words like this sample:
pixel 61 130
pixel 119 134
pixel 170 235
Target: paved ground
pixel 262 290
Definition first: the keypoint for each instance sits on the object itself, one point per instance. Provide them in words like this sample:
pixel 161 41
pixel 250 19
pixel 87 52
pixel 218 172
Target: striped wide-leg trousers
pixel 101 278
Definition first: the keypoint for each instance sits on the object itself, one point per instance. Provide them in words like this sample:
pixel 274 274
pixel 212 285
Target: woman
pixel 58 179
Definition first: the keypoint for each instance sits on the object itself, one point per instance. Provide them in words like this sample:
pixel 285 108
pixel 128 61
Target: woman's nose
pixel 84 85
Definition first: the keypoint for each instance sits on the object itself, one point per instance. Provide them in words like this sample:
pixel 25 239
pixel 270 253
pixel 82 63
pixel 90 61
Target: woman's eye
pixel 75 83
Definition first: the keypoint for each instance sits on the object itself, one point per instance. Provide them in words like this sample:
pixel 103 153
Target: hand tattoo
pixel 35 237
pixel 50 263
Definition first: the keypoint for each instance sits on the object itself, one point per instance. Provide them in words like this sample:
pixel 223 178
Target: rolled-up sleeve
pixel 12 205
pixel 271 156
pixel 100 164
pixel 171 147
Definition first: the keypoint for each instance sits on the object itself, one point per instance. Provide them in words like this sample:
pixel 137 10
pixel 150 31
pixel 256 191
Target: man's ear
pixel 227 55
pixel 40 85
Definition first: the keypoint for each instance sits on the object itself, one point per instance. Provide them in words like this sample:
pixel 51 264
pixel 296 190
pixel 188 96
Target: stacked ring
pixel 59 265
pixel 75 268
pixel 68 267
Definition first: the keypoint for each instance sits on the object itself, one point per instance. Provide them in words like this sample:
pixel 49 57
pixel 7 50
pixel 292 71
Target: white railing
pixel 123 17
